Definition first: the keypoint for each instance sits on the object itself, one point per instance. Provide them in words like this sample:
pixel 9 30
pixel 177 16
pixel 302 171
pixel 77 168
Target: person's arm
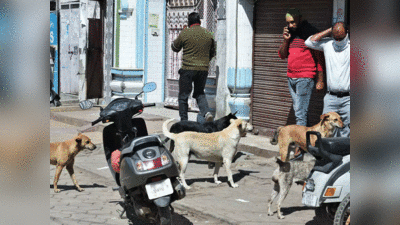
pixel 177 44
pixel 212 49
pixel 317 37
pixel 320 70
pixel 316 41
pixel 284 49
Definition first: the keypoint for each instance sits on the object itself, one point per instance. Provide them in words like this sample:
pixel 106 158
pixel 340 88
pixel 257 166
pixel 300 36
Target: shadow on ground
pixel 72 187
pixel 318 221
pixel 224 179
pixel 202 162
pixel 176 218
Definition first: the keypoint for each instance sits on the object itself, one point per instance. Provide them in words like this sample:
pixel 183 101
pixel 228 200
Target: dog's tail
pixel 274 139
pixel 166 131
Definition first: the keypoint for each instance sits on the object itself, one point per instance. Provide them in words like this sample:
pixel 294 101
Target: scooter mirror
pixel 86 104
pixel 149 87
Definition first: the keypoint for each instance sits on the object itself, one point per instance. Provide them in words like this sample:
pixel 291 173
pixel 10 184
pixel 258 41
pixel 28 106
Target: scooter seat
pixel 336 145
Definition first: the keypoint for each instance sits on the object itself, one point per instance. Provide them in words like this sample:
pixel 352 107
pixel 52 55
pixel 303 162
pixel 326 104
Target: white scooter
pixel 328 185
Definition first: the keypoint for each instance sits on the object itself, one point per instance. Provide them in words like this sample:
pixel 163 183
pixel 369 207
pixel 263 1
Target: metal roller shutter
pixel 271 101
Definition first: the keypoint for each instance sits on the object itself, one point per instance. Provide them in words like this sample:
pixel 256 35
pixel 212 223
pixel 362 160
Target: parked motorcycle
pixel 148 179
pixel 328 185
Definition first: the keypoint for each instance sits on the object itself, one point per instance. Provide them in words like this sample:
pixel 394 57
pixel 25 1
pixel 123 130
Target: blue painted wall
pixel 140 30
pixel 244 80
pixel 146 48
pixel 54 42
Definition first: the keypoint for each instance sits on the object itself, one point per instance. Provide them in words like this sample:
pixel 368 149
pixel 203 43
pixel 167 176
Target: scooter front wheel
pixel 165 215
pixel 324 214
pixel 342 215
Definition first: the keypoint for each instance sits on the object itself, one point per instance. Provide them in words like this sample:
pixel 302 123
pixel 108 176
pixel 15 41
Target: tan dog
pixel 296 134
pixel 215 147
pixel 62 154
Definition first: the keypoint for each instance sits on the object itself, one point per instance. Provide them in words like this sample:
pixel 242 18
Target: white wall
pixel 155 52
pixel 127 43
pixel 93 10
pixel 245 34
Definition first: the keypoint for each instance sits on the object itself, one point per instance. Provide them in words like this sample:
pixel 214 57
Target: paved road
pixel 205 203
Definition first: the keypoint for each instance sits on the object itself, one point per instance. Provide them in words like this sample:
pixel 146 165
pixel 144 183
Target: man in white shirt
pixel 337 60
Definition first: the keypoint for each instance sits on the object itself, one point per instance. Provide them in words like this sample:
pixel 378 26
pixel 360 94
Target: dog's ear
pixel 324 116
pixel 78 140
pixel 234 113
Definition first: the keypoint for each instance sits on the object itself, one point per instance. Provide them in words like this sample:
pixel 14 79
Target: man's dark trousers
pixel 199 79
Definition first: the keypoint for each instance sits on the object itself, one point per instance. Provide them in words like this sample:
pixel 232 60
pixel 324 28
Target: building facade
pixel 85 47
pixel 252 78
pixel 139 48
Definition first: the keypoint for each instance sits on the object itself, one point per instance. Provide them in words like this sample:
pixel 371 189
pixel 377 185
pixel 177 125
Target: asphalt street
pixel 205 203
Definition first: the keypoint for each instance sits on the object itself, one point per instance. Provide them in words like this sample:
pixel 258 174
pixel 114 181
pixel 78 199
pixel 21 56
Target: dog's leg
pixel 284 150
pixel 275 192
pixel 172 146
pixel 70 170
pixel 227 163
pixel 283 193
pixel 56 177
pixel 183 164
pixel 216 171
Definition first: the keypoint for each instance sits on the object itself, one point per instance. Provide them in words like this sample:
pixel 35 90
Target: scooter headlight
pixel 139 165
pixel 148 165
pixel 310 186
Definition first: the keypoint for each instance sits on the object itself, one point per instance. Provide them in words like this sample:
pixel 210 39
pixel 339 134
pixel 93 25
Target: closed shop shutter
pixel 271 100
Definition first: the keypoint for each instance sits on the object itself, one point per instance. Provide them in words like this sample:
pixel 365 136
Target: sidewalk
pixel 155 117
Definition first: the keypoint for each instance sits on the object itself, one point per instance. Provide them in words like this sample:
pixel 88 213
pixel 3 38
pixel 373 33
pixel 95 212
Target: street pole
pixel 222 88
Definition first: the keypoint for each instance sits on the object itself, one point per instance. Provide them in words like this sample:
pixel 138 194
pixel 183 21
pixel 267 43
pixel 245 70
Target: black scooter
pixel 148 180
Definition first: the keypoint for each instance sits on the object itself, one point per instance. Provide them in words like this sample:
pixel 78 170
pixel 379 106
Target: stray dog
pixel 215 147
pixel 62 154
pixel 207 127
pixel 283 179
pixel 296 134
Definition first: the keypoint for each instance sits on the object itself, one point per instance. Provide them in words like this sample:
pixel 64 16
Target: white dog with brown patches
pixel 219 147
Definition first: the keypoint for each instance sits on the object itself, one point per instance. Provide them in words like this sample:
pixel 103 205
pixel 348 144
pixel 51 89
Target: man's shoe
pixel 209 117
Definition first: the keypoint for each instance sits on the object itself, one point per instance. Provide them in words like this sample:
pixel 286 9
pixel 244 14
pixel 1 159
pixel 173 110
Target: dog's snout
pixel 92 147
pixel 249 127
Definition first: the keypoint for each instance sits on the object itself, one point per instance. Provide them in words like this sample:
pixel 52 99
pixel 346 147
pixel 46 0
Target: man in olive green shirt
pixel 198 49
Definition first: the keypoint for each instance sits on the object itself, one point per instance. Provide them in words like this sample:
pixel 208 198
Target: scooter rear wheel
pixel 165 215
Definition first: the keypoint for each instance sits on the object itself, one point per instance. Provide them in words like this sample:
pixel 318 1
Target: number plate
pixel 159 189
pixel 309 199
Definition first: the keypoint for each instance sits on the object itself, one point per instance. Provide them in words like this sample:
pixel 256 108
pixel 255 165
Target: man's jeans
pixel 341 105
pixel 301 89
pixel 198 78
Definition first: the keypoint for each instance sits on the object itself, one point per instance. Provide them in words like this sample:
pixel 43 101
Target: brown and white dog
pixel 219 147
pixel 62 154
pixel 296 134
